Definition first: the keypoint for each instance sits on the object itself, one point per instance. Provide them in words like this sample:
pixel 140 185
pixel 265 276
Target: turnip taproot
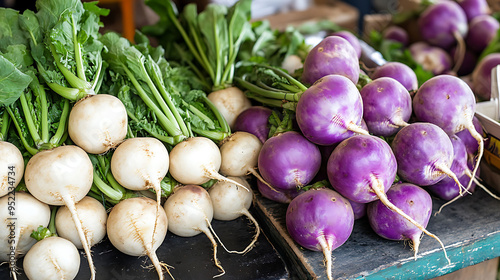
pixel 93 216
pixel 62 176
pixel 230 102
pixel 254 120
pixel 52 258
pixel 21 215
pixel 330 110
pixel 136 228
pixel 12 167
pixel 412 200
pixel 276 194
pixel 190 212
pixel 449 103
pixel 470 142
pixel 98 123
pixel 230 202
pixel 320 220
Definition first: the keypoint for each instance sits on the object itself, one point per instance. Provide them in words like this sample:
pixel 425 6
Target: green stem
pixel 99 76
pixel 167 139
pixel 200 114
pixel 222 121
pixel 5 126
pixel 30 149
pixel 268 101
pixel 284 74
pixel 29 120
pixel 204 60
pixel 62 127
pixel 114 184
pixel 52 223
pixel 80 70
pixel 290 88
pixel 213 135
pixel 105 188
pixel 268 93
pixel 44 122
pixel 72 79
pixel 218 59
pixel 72 94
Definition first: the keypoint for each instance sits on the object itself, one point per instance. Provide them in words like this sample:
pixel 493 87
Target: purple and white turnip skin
pixel 411 199
pixel 320 220
pixel 288 160
pixel 396 33
pixel 386 106
pixel 431 58
pixel 330 110
pixel 481 76
pixel 443 23
pixel 470 142
pixel 398 71
pixel 449 103
pixel 359 209
pixel 482 29
pixel 424 153
pixel 254 120
pixel 360 164
pixel 276 194
pixel 474 8
pixel 333 55
pixel 351 38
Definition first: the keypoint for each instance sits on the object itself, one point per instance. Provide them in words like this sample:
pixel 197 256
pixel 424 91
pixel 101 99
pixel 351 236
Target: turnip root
pixel 93 216
pixel 412 200
pixel 230 202
pixel 62 176
pixel 98 123
pixel 239 154
pixel 320 220
pixel 52 258
pixel 136 228
pixel 22 215
pixel 230 102
pixel 195 161
pixel 190 212
pixel 254 120
pixel 11 167
pixel 470 142
pixel 370 175
pixel 278 195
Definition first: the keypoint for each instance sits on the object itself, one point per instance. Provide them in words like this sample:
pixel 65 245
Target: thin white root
pixel 416 245
pixel 217 176
pixel 378 188
pixel 327 252
pixel 357 129
pixel 157 189
pixel 480 142
pixel 83 238
pixel 446 170
pixel 207 232
pixel 257 175
pixel 158 265
pixel 460 51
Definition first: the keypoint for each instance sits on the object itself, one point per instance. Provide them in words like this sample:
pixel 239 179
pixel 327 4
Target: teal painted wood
pixel 469 229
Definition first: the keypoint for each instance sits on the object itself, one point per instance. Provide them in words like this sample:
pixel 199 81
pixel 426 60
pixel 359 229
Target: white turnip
pixel 52 258
pixel 239 154
pixel 93 216
pixel 230 202
pixel 134 229
pixel 62 176
pixel 230 102
pixel 11 167
pixel 190 212
pixel 98 123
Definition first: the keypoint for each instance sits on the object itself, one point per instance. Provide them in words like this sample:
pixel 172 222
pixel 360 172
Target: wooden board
pixel 469 228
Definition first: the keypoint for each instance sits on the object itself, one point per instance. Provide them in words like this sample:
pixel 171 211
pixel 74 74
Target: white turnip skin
pixel 52 258
pixel 93 216
pixel 29 214
pixel 98 123
pixel 11 167
pixel 230 102
pixel 62 176
pixel 291 63
pixel 239 154
pixel 134 229
pixel 195 161
pixel 431 58
pixel 230 202
pixel 190 212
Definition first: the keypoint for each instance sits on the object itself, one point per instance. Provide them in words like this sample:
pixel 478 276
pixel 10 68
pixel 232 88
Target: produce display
pixel 102 138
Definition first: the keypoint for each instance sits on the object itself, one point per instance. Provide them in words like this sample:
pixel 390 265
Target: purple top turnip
pixel 288 160
pixel 330 110
pixel 398 71
pixel 320 220
pixel 431 58
pixel 396 33
pixel 333 55
pixel 351 38
pixel 254 120
pixel 481 76
pixel 443 23
pixel 414 201
pixel 359 209
pixel 474 8
pixel 482 29
pixel 386 106
pixel 278 195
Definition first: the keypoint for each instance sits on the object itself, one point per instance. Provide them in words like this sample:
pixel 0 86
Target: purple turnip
pixel 359 209
pixel 431 58
pixel 398 71
pixel 254 120
pixel 320 220
pixel 386 106
pixel 470 142
pixel 482 29
pixel 449 103
pixel 469 61
pixel 333 55
pixel 288 160
pixel 412 200
pixel 481 76
pixel 396 33
pixel 330 110
pixel 278 195
pixel 474 8
pixel 351 38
